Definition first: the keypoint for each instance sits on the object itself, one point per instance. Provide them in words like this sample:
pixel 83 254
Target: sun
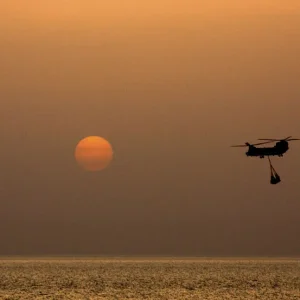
pixel 93 153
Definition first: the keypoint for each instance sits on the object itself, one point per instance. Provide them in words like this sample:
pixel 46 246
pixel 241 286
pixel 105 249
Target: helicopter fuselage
pixel 278 150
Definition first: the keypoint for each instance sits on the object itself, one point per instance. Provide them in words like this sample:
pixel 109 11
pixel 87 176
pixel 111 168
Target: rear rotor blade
pixel 275 140
pixel 239 146
pixel 272 140
pixel 262 143
pixel 292 140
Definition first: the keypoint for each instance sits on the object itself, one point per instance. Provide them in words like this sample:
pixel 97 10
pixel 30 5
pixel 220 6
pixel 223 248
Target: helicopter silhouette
pixel 281 147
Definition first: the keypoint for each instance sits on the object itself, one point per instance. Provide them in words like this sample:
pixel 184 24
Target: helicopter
pixel 279 149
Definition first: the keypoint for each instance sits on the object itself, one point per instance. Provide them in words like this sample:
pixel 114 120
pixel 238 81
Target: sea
pixel 149 278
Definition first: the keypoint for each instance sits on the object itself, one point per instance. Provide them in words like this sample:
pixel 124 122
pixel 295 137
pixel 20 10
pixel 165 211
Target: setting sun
pixel 93 153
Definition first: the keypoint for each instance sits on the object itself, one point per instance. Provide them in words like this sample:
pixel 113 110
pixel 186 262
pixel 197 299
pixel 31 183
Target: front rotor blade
pixel 239 146
pixel 292 140
pixel 287 138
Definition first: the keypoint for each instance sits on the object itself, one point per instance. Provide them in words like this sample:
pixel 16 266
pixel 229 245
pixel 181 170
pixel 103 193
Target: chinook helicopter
pixel 279 149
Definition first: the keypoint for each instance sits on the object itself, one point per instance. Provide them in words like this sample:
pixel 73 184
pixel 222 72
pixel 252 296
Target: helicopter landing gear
pixel 262 156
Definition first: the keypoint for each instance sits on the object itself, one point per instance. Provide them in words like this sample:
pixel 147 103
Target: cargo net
pixel 275 178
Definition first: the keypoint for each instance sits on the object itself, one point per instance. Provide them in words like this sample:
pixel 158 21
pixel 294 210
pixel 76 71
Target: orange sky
pixel 120 7
pixel 171 86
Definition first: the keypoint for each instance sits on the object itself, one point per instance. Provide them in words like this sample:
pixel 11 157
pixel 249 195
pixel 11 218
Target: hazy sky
pixel 171 84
